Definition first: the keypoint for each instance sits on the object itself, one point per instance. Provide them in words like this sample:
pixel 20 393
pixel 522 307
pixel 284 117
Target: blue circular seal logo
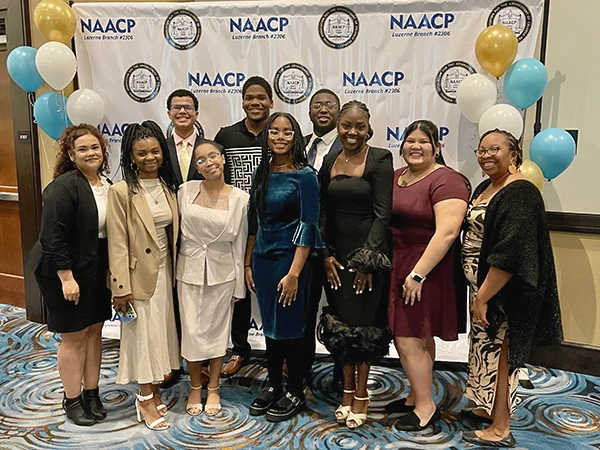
pixel 338 27
pixel 293 83
pixel 182 29
pixel 142 82
pixel 449 77
pixel 515 15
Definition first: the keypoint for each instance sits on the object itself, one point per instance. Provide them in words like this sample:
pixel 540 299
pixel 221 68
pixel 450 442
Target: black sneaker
pixel 287 407
pixel 264 401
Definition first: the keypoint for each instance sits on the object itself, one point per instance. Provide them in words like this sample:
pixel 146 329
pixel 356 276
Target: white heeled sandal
pixel 162 408
pixel 358 418
pixel 140 417
pixel 341 414
pixel 212 409
pixel 194 409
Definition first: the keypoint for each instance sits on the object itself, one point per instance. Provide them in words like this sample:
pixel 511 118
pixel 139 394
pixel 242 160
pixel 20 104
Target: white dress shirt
pixel 322 147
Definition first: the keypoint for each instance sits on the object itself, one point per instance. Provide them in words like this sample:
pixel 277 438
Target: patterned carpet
pixel 561 413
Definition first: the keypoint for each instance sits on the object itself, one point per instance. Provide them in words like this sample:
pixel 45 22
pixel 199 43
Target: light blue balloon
pixel 525 82
pixel 553 150
pixel 50 112
pixel 21 68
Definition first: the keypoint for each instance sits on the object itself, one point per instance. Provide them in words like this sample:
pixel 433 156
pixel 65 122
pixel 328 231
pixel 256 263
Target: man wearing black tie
pixel 182 108
pixel 324 109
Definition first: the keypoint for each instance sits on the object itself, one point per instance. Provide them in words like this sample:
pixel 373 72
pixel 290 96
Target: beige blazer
pixel 133 248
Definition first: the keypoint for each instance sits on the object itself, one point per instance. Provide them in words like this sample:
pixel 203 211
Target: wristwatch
pixel 418 278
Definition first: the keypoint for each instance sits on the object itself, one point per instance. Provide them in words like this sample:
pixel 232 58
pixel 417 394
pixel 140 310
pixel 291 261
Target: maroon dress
pixel 442 309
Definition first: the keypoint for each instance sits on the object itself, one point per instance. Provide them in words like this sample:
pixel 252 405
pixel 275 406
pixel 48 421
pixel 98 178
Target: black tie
pixel 312 151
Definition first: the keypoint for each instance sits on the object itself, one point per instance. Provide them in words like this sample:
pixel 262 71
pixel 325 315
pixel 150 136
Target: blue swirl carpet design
pixel 561 413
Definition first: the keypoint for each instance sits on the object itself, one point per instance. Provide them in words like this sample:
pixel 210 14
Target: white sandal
pixel 162 408
pixel 191 408
pixel 214 408
pixel 358 418
pixel 140 417
pixel 341 414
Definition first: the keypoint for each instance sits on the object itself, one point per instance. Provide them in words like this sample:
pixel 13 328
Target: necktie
pixel 184 160
pixel 312 151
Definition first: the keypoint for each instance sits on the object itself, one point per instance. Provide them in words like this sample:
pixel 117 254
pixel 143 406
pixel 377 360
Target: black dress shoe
pixel 92 402
pixel 264 401
pixel 471 415
pixel 508 442
pixel 399 407
pixel 77 412
pixel 287 407
pixel 412 422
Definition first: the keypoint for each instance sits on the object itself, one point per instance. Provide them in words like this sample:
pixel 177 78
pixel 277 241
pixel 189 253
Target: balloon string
pixel 499 87
pixel 30 99
pixel 473 139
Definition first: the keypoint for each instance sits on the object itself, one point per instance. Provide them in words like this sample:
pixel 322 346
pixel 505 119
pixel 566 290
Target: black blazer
pixel 69 234
pixel 335 146
pixel 192 173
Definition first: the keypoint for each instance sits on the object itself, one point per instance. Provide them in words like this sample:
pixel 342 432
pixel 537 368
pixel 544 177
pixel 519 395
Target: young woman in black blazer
pixel 71 263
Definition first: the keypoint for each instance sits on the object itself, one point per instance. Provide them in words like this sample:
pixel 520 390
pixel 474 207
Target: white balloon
pixel 475 94
pixel 85 106
pixel 56 64
pixel 504 117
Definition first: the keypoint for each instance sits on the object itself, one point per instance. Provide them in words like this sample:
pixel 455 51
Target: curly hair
pixel 511 142
pixel 66 144
pixel 431 131
pixel 135 132
pixel 358 105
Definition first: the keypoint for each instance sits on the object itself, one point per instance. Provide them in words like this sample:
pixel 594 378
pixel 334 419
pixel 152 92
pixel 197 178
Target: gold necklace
pixel 404 183
pixel 348 159
pixel 287 164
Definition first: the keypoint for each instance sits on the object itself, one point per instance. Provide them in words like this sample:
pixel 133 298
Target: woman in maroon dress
pixel 428 208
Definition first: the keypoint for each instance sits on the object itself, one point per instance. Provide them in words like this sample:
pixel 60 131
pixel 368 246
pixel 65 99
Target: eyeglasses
pixel 329 105
pixel 492 151
pixel 213 157
pixel 177 108
pixel 287 134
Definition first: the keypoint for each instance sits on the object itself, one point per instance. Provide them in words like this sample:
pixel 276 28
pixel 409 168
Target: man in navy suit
pixel 182 108
pixel 324 109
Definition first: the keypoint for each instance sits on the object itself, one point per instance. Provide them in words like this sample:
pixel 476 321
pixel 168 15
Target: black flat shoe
pixel 399 407
pixel 412 422
pixel 287 407
pixel 468 413
pixel 264 401
pixel 77 412
pixel 92 402
pixel 508 442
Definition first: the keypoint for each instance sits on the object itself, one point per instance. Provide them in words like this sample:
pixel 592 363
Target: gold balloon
pixel 55 20
pixel 496 48
pixel 533 173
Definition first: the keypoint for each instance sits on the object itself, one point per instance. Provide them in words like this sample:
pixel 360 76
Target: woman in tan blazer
pixel 142 225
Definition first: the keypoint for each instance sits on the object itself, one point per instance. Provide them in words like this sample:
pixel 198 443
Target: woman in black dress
pixel 71 266
pixel 356 198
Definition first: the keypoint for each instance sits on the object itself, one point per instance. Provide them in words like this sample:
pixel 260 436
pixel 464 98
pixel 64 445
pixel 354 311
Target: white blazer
pixel 214 261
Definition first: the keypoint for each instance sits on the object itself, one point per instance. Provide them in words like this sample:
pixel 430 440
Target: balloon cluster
pixel 55 64
pixel 525 80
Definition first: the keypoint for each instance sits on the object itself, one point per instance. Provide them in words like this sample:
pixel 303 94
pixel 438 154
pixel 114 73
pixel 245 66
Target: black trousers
pixel 242 314
pixel 293 351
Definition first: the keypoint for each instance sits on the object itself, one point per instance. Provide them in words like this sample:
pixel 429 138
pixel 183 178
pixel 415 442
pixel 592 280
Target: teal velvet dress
pixel 292 213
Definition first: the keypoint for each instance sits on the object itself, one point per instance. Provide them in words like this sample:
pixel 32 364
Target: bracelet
pixel 247 265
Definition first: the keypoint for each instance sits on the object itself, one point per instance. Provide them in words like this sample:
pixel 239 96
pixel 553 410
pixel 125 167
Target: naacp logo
pixel 514 15
pixel 182 29
pixel 293 83
pixel 449 77
pixel 142 82
pixel 338 27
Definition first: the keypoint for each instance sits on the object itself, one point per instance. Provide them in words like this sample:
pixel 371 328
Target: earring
pixel 133 166
pixel 512 169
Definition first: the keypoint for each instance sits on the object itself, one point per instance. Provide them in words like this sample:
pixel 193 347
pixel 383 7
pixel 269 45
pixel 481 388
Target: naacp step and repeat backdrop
pixel 404 59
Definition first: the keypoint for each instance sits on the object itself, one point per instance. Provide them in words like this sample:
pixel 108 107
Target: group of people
pixel 197 226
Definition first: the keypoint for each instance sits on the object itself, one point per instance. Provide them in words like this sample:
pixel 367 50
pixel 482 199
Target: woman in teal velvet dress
pixel 283 227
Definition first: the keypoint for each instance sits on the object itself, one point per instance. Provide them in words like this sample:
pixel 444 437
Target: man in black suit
pixel 182 108
pixel 324 109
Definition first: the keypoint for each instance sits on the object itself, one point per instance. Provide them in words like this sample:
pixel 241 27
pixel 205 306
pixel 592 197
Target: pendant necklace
pixel 348 159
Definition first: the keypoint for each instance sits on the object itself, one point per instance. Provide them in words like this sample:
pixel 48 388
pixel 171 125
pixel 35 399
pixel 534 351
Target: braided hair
pixel 431 131
pixel 134 132
pixel 358 105
pixel 260 184
pixel 512 143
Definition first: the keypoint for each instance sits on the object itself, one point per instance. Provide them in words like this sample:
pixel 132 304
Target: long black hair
pixel 260 184
pixel 134 132
pixel 431 131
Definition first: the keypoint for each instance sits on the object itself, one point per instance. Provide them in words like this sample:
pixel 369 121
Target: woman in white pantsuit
pixel 210 270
